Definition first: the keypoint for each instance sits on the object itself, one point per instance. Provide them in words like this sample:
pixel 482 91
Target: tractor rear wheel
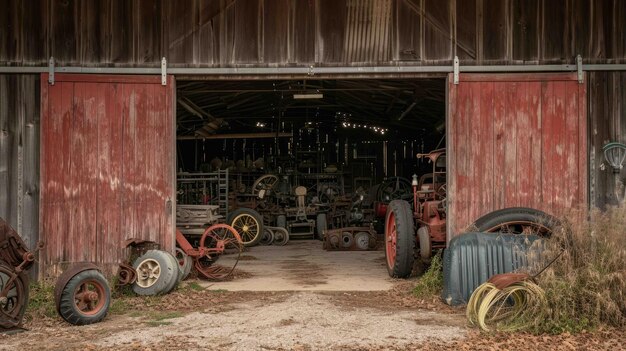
pixel 399 239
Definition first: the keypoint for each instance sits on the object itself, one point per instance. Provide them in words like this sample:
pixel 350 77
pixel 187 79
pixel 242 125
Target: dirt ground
pixel 320 312
pixel 195 318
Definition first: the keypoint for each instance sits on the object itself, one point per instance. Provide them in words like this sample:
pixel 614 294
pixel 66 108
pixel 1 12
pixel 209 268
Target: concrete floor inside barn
pixel 303 265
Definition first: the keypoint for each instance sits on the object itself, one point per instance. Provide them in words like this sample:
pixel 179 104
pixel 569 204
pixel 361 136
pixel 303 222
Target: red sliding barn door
pixel 515 140
pixel 107 167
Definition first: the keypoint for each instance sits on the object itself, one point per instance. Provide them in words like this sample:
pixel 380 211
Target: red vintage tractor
pixel 414 230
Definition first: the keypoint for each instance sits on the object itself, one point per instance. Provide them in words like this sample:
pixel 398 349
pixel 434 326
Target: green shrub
pixel 431 283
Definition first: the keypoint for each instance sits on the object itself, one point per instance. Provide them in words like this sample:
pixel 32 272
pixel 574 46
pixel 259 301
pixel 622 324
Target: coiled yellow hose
pixel 514 307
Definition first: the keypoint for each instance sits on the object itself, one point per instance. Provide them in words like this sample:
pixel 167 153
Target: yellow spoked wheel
pixel 249 224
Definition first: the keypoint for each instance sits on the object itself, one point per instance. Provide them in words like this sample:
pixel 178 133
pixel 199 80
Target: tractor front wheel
pixel 399 239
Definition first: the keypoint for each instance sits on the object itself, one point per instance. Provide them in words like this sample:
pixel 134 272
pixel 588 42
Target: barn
pixel 105 105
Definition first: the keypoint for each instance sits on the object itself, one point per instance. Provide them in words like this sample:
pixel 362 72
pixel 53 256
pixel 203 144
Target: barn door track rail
pixel 312 71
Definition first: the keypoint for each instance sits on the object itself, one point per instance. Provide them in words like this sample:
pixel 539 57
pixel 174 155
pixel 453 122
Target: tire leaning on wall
pixel 82 294
pixel 157 273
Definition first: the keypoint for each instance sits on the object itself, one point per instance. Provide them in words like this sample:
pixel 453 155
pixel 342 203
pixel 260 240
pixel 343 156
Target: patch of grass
pixel 41 301
pixel 431 283
pixel 119 306
pixel 191 286
pixel 585 287
pixel 122 291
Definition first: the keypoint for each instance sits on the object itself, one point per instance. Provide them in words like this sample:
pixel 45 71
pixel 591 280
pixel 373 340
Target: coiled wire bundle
pixel 507 302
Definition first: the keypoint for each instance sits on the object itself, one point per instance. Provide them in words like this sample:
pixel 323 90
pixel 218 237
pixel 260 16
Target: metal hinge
pixel 163 71
pixel 51 71
pixel 579 68
pixel 456 70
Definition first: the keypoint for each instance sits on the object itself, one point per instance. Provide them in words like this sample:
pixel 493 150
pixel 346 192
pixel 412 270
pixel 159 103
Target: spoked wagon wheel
pixel 517 220
pixel 223 246
pixel 13 296
pixel 399 239
pixel 266 182
pixel 249 224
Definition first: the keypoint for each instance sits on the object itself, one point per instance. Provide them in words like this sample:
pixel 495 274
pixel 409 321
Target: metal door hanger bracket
pixel 456 70
pixel 163 71
pixel 579 68
pixel 51 71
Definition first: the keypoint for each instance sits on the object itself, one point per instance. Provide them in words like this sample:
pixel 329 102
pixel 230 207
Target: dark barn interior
pixel 347 120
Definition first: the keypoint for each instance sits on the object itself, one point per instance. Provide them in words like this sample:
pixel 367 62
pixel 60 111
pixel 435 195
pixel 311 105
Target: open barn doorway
pixel 316 160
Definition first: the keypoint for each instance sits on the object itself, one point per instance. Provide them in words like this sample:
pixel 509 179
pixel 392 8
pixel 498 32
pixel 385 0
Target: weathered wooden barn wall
pixel 19 154
pixel 607 123
pixel 321 32
pixel 107 168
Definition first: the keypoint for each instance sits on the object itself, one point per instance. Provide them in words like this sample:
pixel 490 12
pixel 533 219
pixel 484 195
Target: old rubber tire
pixel 185 263
pixel 399 239
pixel 155 273
pixel 75 311
pixel 20 290
pixel 179 274
pixel 249 224
pixel 516 218
pixel 321 225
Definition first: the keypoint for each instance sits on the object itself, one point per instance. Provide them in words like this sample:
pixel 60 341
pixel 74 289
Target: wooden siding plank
pixel 535 143
pixel 466 35
pixel 276 44
pixel 472 159
pixel 510 144
pixel 547 142
pixel 494 30
pixel 572 152
pixel 110 181
pixel 90 99
pixel 526 29
pixel 500 170
pixel 437 30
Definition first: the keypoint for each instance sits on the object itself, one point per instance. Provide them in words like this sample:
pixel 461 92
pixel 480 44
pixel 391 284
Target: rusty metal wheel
pixel 268 236
pixel 399 239
pixel 266 182
pixel 13 296
pixel 281 237
pixel 223 247
pixel 85 299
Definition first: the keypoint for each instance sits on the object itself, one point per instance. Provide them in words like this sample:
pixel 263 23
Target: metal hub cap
pixel 89 297
pixel 148 272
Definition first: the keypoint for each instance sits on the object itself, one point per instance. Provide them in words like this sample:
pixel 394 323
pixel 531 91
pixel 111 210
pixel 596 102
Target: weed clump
pixel 41 301
pixel 585 286
pixel 431 283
